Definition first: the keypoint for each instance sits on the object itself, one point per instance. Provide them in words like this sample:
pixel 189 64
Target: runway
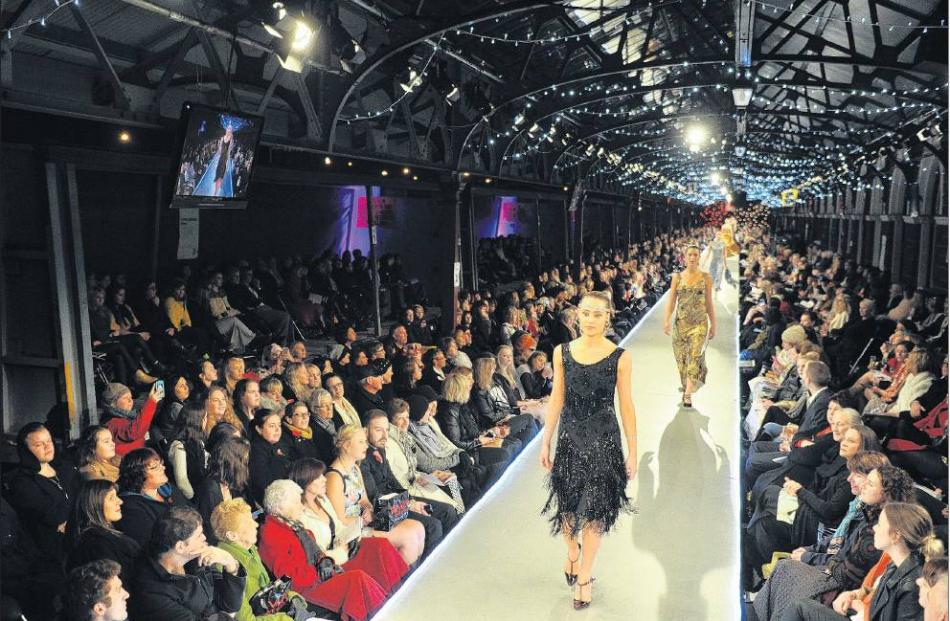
pixel 676 560
pixel 205 185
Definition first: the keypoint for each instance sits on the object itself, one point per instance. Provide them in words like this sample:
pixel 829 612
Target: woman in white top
pixel 343 411
pixel 374 555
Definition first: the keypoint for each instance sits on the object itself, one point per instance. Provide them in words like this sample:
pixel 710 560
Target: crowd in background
pixel 845 436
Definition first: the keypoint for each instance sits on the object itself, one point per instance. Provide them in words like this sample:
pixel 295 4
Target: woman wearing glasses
pixel 588 473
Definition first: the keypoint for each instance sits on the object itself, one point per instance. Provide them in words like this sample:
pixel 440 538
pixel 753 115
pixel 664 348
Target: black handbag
pixel 273 598
pixel 390 510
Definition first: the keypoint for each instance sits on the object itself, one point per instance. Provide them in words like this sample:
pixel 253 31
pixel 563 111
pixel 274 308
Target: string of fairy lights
pixel 40 20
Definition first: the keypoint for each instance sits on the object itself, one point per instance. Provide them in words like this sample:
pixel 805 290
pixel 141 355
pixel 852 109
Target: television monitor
pixel 217 157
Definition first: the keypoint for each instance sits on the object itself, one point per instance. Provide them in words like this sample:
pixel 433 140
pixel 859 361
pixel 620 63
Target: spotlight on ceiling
pixel 696 135
pixel 715 178
pixel 518 121
pixel 413 80
pixel 294 33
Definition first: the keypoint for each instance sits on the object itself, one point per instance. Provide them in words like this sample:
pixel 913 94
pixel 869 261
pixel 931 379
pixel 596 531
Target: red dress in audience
pixel 129 433
pixel 354 594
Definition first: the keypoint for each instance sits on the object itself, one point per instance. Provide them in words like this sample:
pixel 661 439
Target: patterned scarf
pixel 837 538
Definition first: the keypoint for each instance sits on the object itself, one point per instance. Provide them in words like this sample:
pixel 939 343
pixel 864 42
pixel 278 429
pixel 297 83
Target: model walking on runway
pixel 588 474
pixel 695 324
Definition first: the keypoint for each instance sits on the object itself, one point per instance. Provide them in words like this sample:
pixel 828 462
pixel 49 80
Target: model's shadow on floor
pixel 686 518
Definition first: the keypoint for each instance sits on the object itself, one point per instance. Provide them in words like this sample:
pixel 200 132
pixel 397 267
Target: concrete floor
pixel 676 560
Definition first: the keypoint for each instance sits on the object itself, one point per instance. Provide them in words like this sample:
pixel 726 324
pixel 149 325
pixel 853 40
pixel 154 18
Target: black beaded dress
pixel 588 476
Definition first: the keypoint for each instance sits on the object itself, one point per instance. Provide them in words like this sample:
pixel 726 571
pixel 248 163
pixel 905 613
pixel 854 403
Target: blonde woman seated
pixel 374 555
pixel 347 494
pixel 236 530
pixel 289 549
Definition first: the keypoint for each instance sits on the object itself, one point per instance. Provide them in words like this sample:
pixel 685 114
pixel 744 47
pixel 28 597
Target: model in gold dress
pixel 695 323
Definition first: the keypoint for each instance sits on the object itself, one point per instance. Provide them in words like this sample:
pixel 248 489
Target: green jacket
pixel 257 579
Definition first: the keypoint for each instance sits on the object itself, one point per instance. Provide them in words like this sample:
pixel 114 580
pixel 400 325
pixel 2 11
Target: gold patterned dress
pixel 689 332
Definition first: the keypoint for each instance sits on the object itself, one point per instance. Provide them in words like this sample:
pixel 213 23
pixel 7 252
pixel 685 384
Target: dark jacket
pixel 41 504
pixel 324 442
pixel 363 401
pixel 267 463
pixel 815 417
pixel 208 496
pixel 826 500
pixel 857 554
pixel 457 423
pixel 299 446
pixel 160 596
pixel 140 512
pixel 378 477
pixel 536 385
pixel 429 378
pixel 489 409
pixel 895 598
pixel 482 331
pixel 97 543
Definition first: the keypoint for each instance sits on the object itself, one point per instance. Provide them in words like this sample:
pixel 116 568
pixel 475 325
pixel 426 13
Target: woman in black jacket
pixel 539 381
pixel 92 533
pixel 227 478
pixel 459 425
pixel 298 433
pixel 42 492
pixel 433 375
pixel 145 492
pixel 270 455
pixel 492 404
pixel 164 590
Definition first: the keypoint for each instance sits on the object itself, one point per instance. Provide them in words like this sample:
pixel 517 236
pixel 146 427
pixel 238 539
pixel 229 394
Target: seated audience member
pixel 904 535
pixel 218 409
pixel 226 318
pixel 289 549
pixel 367 394
pixel 507 377
pixel 97 458
pixel 94 592
pixel 793 580
pixel 322 424
pixel 374 555
pixel 270 454
pixel 380 479
pixel 131 357
pixel 236 533
pixel 457 421
pixel 155 321
pixel 347 492
pixel 343 411
pixel 933 590
pixel 176 309
pixel 246 400
pixel 234 371
pixel 538 381
pixel 494 408
pixel 455 355
pixel 272 393
pixel 297 433
pixel 187 452
pixel 145 492
pixel 247 299
pixel 916 382
pixel 163 589
pixel 207 376
pixel 406 380
pixel 436 452
pixel 228 476
pixel 433 375
pixel 30 580
pixel 163 429
pixel 128 428
pixel 41 489
pixel 297 382
pixel 92 534
pixel 413 467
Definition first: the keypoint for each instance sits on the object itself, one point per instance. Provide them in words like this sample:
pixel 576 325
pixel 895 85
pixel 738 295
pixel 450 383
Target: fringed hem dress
pixel 587 484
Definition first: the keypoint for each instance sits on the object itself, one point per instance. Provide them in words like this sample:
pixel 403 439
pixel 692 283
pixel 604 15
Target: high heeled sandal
pixel 580 604
pixel 572 578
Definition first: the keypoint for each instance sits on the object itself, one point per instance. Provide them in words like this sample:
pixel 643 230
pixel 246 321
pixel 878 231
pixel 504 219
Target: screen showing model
pixel 217 154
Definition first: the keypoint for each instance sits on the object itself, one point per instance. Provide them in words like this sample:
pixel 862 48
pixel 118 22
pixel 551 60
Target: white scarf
pixel 914 387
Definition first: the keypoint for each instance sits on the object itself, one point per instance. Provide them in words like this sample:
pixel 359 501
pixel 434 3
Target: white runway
pixel 677 560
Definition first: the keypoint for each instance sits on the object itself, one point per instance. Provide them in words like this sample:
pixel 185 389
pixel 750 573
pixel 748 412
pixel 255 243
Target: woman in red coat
pixel 128 428
pixel 288 549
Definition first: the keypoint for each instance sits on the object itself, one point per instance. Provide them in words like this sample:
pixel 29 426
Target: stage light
pixel 728 198
pixel 303 36
pixel 487 180
pixel 385 173
pixel 327 160
pixel 564 188
pixel 518 120
pixel 453 95
pixel 415 177
pixel 406 171
pixel 125 137
pixel 715 178
pixel 696 135
pixel 466 174
pixel 349 164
